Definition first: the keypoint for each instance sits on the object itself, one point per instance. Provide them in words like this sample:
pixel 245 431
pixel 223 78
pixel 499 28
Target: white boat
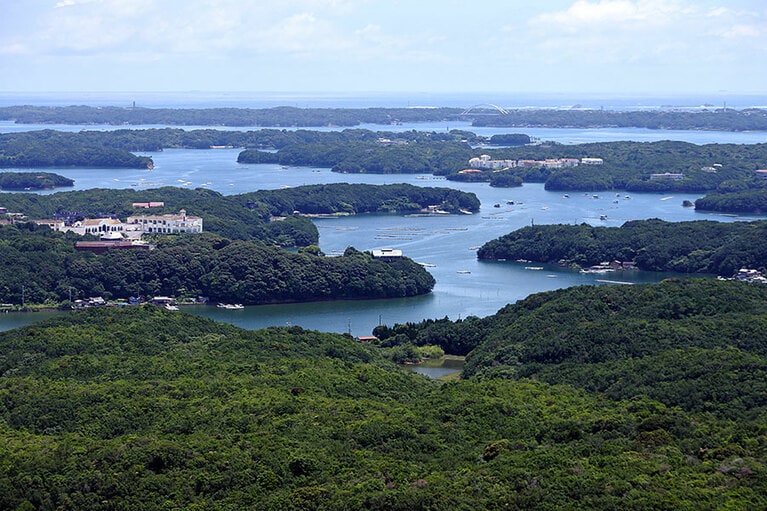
pixel 534 268
pixel 231 306
pixel 171 307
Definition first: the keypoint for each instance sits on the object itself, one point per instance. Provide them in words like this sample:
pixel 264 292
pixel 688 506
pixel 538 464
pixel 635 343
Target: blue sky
pixel 601 46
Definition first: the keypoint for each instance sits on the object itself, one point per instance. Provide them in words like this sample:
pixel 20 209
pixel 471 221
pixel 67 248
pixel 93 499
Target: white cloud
pixel 70 3
pixel 649 31
pixel 739 31
pixel 126 27
pixel 367 41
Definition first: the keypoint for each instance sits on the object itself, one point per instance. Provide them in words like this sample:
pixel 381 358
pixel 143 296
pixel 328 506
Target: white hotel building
pixel 167 224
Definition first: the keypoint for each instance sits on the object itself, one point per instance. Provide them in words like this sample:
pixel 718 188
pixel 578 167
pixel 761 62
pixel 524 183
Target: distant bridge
pixel 484 106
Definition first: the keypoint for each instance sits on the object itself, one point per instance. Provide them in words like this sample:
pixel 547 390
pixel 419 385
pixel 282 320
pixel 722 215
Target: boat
pixel 534 268
pixel 596 270
pixel 171 307
pixel 604 281
pixel 230 306
pixel 463 272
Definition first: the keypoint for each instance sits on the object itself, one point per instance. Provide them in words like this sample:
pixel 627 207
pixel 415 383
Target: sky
pixel 589 46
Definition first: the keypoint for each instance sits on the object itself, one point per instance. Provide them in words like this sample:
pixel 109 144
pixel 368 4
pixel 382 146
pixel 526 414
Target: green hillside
pixel 141 408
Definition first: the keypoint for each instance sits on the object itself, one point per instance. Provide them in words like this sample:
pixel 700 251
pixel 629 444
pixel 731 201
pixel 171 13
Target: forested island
pixel 346 198
pixel 157 139
pixel 234 260
pixel 223 215
pixel 665 166
pixel 43 267
pixel 702 246
pixel 752 201
pixel 32 181
pixel 278 116
pixel 249 216
pixel 633 397
pixel 49 148
pixel 725 119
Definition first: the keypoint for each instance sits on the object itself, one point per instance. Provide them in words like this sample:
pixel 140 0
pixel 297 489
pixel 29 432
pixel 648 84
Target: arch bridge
pixel 476 109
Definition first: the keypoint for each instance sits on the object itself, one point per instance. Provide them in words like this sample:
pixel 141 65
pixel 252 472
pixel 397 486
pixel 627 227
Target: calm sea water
pixel 465 286
pixel 561 135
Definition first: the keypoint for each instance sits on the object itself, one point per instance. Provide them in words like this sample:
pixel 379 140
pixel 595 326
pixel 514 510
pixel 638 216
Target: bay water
pixel 446 244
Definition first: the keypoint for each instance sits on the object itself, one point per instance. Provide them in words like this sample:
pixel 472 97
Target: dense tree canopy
pixel 690 247
pixel 45 267
pixel 638 166
pixel 50 148
pixel 32 180
pixel 710 118
pixel 223 215
pixel 279 116
pixel 631 165
pixel 744 201
pixel 699 344
pixel 360 198
pixel 420 156
pixel 247 216
pixel 139 408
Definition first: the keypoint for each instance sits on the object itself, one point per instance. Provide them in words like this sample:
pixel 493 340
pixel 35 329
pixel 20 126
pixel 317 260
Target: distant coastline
pixel 270 99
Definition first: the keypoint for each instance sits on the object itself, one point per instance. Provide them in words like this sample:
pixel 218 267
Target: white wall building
pixel 167 224
pixel 95 226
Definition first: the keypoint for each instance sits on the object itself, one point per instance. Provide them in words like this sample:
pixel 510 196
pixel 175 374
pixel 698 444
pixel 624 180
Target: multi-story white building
pixel 95 226
pixel 167 224
pixel 484 162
